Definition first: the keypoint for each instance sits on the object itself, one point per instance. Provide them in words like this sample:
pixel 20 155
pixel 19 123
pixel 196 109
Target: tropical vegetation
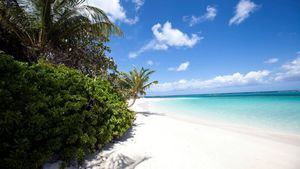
pixel 138 81
pixel 61 96
pixel 61 31
pixel 54 112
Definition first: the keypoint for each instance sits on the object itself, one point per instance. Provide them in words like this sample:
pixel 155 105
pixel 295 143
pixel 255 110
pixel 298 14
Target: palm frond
pixel 37 23
pixel 138 80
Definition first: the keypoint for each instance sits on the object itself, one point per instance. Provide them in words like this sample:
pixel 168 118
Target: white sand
pixel 163 142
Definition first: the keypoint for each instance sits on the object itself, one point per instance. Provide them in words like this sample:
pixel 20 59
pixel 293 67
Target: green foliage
pixel 62 31
pixel 53 111
pixel 137 81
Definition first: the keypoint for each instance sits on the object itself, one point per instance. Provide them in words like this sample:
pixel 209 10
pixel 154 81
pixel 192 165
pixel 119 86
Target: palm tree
pixel 138 82
pixel 60 24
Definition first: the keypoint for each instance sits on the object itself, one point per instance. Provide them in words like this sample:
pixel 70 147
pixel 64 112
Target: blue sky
pixel 199 46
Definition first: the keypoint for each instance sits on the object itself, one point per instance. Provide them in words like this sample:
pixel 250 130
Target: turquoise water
pixel 273 110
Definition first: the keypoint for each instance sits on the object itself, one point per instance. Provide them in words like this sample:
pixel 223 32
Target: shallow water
pixel 273 110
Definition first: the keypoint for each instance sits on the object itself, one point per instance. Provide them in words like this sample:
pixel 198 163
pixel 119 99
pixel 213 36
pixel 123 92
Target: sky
pixel 208 46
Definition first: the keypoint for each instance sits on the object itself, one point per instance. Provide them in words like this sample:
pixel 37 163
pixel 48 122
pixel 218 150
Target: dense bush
pixel 53 111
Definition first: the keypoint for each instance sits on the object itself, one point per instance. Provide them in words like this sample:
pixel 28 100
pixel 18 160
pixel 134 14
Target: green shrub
pixel 53 111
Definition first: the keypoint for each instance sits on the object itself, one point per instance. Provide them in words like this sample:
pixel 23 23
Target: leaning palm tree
pixel 138 82
pixel 60 24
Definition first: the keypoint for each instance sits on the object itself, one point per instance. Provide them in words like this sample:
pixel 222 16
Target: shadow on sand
pixel 113 159
pixel 147 114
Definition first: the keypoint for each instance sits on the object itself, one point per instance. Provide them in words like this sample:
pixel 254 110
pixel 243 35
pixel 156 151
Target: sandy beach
pixel 160 141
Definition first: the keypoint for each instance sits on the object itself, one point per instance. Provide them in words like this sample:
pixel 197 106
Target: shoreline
pixel 265 132
pixel 161 141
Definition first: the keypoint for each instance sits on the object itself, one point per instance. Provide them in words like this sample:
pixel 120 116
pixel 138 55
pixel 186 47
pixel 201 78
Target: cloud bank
pixel 236 79
pixel 290 71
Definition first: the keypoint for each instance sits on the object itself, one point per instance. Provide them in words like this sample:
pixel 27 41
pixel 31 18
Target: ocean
pixel 276 110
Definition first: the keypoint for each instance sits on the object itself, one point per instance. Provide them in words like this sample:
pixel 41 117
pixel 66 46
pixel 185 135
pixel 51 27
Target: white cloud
pixel 272 60
pixel 193 20
pixel 181 67
pixel 168 36
pixel 290 71
pixel 182 81
pixel 165 36
pixel 138 4
pixel 150 62
pixel 236 79
pixel 211 13
pixel 133 54
pixel 242 11
pixel 150 45
pixel 114 10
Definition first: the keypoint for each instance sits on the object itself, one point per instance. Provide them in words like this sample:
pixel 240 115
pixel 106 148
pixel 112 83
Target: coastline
pixel 163 141
pixel 268 133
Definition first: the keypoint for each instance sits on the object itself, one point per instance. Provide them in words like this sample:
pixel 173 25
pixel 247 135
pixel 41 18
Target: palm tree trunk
pixel 134 99
pixel 46 20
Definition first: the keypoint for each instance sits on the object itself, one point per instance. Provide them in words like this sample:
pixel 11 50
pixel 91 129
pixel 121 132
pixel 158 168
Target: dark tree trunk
pixel 134 99
pixel 12 46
